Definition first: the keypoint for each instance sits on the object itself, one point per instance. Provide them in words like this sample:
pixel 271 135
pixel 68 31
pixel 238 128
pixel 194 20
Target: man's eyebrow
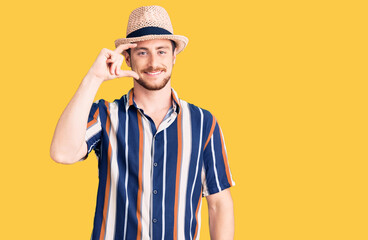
pixel 144 48
pixel 161 47
pixel 140 48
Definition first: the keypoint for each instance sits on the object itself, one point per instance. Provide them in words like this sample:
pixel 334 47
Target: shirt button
pixel 154 220
pixel 155 164
pixel 154 191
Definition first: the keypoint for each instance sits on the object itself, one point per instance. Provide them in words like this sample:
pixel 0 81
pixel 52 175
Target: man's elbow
pixel 61 157
pixel 220 200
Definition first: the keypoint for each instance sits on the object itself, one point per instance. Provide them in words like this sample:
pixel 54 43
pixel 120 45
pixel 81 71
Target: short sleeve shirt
pixel 151 181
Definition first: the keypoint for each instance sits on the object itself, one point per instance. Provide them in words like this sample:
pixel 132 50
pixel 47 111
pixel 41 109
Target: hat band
pixel 148 31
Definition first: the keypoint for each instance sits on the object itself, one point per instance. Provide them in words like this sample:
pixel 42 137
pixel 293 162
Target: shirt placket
pixel 157 193
pixel 150 162
pixel 154 193
pixel 154 164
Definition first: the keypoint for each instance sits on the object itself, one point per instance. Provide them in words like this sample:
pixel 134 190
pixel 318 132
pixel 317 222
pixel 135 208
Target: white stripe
pixel 185 161
pixel 176 95
pixel 196 173
pixel 94 129
pixel 127 102
pixel 126 173
pixel 214 163
pixel 110 222
pixel 146 178
pixel 164 186
pixel 165 124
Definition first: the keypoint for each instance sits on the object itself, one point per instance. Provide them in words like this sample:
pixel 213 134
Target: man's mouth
pixel 154 73
pixel 150 71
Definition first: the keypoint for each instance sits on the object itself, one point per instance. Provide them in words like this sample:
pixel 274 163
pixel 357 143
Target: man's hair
pixel 173 44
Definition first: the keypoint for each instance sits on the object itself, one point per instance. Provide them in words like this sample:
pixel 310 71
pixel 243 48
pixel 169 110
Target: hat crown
pixel 151 23
pixel 149 16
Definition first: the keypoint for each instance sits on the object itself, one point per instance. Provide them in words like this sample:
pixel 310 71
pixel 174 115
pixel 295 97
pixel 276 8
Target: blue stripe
pixel 122 200
pixel 102 165
pixel 148 31
pixel 220 163
pixel 164 153
pixel 133 158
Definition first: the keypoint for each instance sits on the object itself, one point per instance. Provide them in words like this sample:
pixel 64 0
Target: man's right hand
pixel 68 144
pixel 108 64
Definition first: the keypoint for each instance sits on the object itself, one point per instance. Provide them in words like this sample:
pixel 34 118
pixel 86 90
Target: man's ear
pixel 174 56
pixel 127 58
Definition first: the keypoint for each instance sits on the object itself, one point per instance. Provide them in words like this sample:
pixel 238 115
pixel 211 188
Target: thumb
pixel 128 73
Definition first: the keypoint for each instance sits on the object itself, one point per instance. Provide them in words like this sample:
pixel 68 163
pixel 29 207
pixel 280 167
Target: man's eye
pixel 162 52
pixel 142 53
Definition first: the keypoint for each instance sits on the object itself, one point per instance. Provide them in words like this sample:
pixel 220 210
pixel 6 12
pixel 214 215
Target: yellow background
pixel 287 81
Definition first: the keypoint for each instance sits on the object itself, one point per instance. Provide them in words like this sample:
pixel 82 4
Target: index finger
pixel 123 47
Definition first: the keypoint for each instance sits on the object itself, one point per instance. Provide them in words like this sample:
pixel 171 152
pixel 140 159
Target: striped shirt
pixel 151 181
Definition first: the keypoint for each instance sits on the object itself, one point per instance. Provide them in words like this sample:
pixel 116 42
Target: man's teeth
pixel 154 73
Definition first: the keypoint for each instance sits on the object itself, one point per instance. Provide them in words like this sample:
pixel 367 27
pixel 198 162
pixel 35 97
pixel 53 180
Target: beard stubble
pixel 152 87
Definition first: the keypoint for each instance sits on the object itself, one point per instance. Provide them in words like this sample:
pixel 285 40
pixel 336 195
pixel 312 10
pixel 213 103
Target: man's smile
pixel 154 73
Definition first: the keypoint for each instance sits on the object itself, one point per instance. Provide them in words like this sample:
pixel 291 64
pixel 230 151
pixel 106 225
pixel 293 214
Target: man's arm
pixel 68 144
pixel 221 215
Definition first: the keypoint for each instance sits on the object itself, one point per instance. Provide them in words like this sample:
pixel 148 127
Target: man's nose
pixel 154 61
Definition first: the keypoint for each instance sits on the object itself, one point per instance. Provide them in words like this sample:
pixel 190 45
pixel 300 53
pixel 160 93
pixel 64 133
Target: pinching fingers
pixel 129 73
pixel 123 47
pixel 118 65
pixel 113 61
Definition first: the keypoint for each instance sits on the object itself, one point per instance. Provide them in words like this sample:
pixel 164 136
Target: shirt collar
pixel 174 96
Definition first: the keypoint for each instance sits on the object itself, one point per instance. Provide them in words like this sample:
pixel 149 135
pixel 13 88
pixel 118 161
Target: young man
pixel 158 155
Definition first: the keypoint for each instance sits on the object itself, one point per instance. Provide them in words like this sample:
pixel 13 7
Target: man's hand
pixel 68 144
pixel 108 64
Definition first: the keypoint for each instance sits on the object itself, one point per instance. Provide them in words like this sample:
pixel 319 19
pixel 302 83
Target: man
pixel 158 155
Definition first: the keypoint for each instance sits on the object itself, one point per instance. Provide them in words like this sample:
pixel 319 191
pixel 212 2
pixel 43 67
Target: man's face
pixel 153 61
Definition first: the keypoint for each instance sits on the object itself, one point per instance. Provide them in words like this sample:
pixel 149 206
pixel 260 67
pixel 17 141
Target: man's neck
pixel 153 102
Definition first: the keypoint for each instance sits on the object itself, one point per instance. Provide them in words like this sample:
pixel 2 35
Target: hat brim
pixel 181 41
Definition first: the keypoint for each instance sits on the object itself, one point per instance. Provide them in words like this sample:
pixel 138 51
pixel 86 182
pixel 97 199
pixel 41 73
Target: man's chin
pixel 153 87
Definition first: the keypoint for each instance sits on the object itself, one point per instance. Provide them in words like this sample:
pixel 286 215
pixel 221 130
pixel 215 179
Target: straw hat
pixel 151 22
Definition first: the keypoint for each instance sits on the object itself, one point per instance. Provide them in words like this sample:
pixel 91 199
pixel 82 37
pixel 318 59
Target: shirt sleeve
pixel 93 132
pixel 216 175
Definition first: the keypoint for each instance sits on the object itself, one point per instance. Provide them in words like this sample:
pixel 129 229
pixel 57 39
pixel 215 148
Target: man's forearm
pixel 68 145
pixel 68 139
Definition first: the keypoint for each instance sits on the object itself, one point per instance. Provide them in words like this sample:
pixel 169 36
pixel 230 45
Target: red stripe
pixel 94 118
pixel 131 97
pixel 225 159
pixel 108 177
pixel 211 131
pixel 139 197
pixel 196 217
pixel 178 168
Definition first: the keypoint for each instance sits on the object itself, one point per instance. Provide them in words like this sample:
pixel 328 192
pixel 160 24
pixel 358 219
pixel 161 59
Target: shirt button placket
pixel 154 191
